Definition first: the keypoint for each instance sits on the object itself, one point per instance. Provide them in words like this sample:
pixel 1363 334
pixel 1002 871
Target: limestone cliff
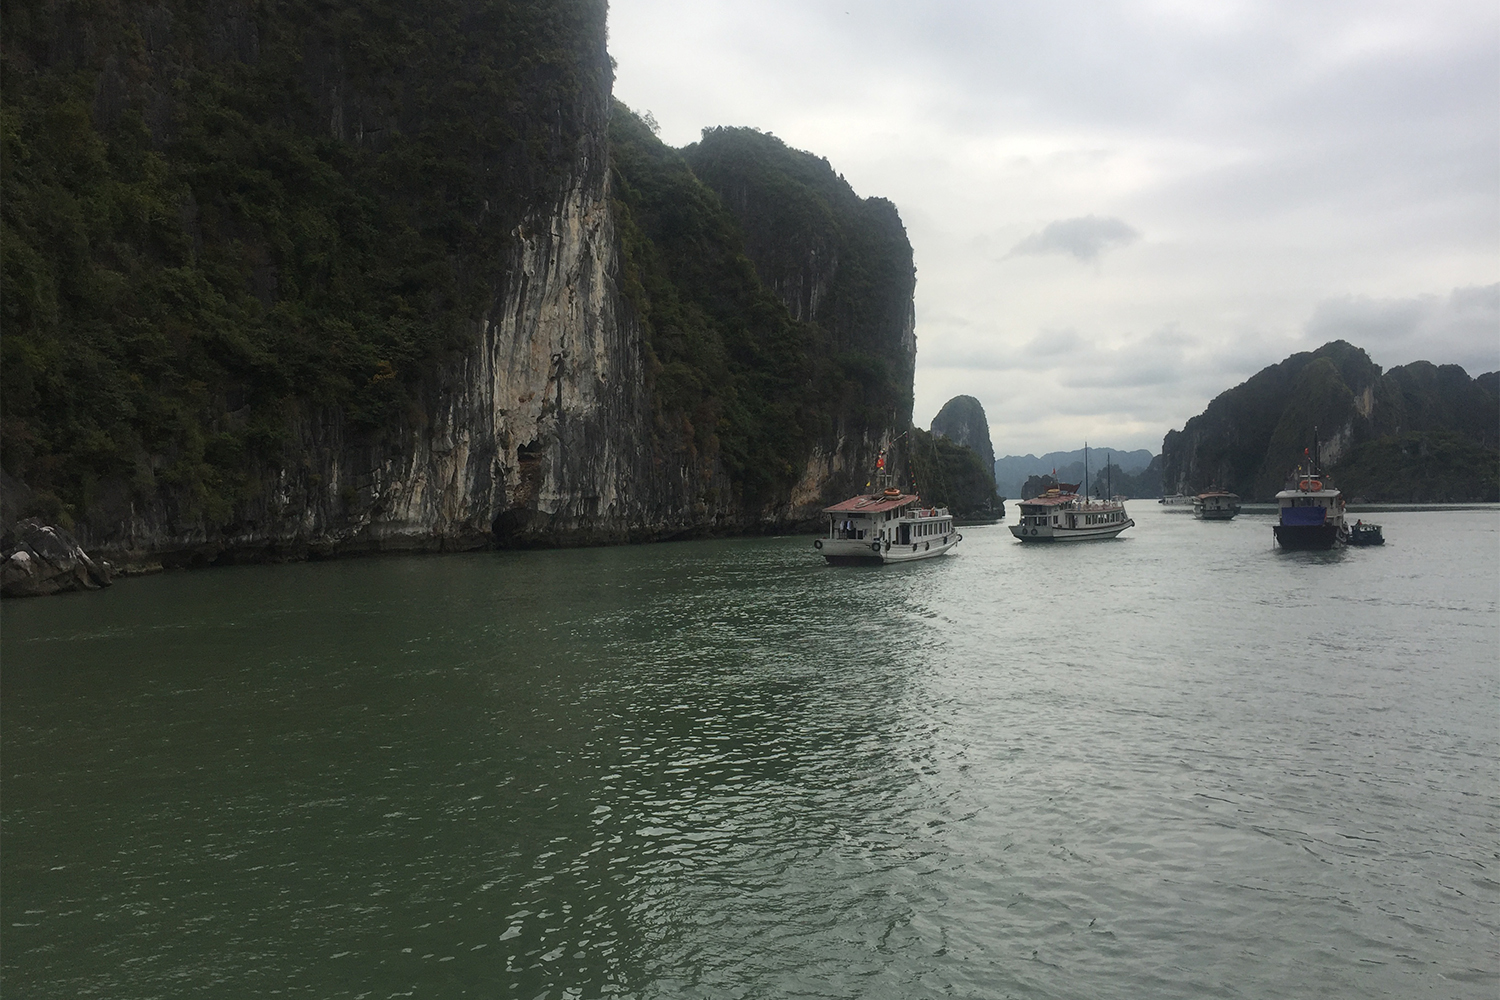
pixel 386 296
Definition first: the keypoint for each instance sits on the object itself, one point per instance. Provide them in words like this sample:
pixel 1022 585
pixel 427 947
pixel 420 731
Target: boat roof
pixel 1051 501
pixel 1308 493
pixel 875 503
pixel 1084 503
pixel 1218 493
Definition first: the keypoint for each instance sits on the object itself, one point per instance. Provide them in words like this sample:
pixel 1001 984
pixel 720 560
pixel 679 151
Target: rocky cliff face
pixel 843 265
pixel 532 436
pixel 534 418
pixel 1250 437
pixel 962 420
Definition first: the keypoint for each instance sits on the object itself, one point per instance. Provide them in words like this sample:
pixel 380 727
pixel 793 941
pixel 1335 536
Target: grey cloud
pixel 1462 328
pixel 1085 238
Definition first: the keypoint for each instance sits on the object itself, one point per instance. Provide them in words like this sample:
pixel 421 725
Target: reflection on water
pixel 1182 763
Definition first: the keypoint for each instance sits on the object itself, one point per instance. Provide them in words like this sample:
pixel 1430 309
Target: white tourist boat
pixel 888 526
pixel 1176 500
pixel 1061 515
pixel 1216 505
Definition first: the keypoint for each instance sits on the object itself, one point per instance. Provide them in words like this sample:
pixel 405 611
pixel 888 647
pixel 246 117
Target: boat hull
pixel 1215 515
pixel 840 552
pixel 1048 533
pixel 1308 536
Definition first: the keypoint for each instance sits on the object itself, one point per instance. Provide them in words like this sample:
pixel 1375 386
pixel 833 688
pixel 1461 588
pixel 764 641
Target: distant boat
pixel 1311 509
pixel 1216 505
pixel 1364 533
pixel 1176 500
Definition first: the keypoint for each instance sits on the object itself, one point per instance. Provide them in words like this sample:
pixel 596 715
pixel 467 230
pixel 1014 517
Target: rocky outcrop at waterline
pixel 341 308
pixel 37 559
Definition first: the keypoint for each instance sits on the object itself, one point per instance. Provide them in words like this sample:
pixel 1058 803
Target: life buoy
pixel 817 543
pixel 927 547
pixel 1313 485
pixel 874 546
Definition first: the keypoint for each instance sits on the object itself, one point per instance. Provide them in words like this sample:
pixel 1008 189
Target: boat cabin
pixel 1310 501
pixel 892 516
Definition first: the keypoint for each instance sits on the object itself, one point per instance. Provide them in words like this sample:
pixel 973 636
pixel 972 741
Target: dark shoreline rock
pixel 40 559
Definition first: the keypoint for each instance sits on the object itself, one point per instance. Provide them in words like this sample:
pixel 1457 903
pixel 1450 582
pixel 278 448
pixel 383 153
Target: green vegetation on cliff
pixel 962 419
pixel 729 368
pixel 733 372
pixel 837 261
pixel 1433 467
pixel 216 215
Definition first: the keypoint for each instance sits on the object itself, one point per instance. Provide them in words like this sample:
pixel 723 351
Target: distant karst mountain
pixel 1419 432
pixel 962 420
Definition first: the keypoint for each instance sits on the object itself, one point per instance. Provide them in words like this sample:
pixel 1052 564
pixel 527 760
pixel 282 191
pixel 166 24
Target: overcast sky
pixel 1121 209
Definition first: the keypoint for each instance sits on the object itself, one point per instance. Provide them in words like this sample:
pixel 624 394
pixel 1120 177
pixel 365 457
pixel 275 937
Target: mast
pixel 1085 472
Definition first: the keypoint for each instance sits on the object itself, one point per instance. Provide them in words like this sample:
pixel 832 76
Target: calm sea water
pixel 1180 764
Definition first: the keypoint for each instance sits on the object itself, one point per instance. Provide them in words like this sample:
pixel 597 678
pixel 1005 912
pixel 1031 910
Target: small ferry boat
pixel 1061 515
pixel 886 527
pixel 1364 533
pixel 1311 511
pixel 1216 505
pixel 1176 500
